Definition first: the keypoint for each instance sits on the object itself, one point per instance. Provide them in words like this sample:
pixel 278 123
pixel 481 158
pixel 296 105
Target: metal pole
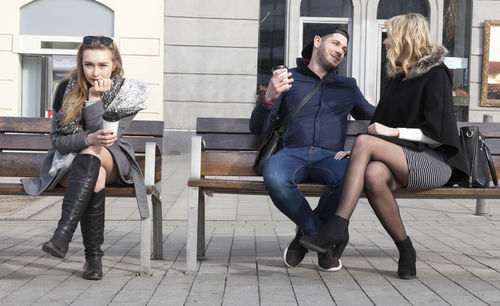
pixel 482 205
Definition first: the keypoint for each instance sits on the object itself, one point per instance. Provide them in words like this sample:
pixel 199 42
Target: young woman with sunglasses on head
pixel 411 144
pixel 84 157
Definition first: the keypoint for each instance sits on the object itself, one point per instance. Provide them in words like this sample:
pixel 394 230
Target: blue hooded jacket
pixel 322 121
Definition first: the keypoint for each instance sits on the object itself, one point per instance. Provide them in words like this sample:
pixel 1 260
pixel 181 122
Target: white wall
pixel 482 10
pixel 138 32
pixel 210 60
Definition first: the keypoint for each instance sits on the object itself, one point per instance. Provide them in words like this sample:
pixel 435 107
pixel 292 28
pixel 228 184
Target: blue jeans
pixel 289 167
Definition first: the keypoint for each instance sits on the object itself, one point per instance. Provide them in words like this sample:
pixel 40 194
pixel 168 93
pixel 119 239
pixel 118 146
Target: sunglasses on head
pixel 102 39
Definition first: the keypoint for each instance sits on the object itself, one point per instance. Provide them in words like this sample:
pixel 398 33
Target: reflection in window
pixel 66 18
pixel 456 35
pixel 271 40
pixel 326 8
pixel 390 8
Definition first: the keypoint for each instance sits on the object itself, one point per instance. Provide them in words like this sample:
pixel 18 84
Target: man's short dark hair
pixel 324 30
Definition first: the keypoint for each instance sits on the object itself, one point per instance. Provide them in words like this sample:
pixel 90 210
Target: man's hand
pixel 342 154
pixel 380 129
pixel 98 88
pixel 279 83
pixel 102 138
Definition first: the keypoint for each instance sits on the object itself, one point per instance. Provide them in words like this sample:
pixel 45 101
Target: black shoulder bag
pixel 477 157
pixel 273 135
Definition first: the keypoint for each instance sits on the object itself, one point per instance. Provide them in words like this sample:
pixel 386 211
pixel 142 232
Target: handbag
pixel 272 137
pixel 477 157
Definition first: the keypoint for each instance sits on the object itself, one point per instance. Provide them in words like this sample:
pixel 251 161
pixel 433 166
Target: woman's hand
pixel 99 87
pixel 342 154
pixel 102 138
pixel 380 129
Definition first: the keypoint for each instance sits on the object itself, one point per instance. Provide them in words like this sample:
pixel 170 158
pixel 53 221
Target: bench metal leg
pixel 201 225
pixel 192 229
pixel 145 267
pixel 482 207
pixel 157 228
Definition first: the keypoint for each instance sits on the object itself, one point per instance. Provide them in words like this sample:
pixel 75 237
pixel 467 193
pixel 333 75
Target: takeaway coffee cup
pixel 110 121
pixel 279 67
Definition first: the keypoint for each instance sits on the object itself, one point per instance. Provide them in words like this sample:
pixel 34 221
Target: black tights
pixel 378 167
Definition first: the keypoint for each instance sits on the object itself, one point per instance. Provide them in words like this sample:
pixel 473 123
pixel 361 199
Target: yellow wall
pixel 138 32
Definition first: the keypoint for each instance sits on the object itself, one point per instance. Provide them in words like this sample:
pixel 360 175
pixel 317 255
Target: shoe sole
pixel 284 259
pixel 334 269
pixel 313 247
pixel 92 277
pixel 50 250
pixel 407 276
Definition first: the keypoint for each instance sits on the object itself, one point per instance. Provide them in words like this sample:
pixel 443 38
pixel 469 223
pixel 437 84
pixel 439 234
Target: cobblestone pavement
pixel 458 255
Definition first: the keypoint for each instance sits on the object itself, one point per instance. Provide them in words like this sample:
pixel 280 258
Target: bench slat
pixel 17 189
pixel 239 163
pixel 18 164
pixel 30 142
pixel 257 187
pixel 241 126
pixel 43 125
pixel 227 163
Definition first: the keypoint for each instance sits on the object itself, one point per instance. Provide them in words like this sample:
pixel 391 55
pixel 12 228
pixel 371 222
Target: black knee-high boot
pixel 92 226
pixel 407 259
pixel 334 233
pixel 81 184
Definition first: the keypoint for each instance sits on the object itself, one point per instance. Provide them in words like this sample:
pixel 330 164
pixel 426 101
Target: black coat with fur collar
pixel 423 99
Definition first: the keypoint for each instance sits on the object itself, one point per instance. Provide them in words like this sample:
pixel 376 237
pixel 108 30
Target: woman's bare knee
pixel 93 150
pixel 101 180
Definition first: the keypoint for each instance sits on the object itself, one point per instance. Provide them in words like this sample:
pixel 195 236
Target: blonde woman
pixel 412 141
pixel 84 157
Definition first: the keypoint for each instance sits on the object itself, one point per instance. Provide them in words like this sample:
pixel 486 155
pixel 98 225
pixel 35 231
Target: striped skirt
pixel 428 169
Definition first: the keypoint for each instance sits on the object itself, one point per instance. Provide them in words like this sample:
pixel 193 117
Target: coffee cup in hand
pixel 278 68
pixel 110 121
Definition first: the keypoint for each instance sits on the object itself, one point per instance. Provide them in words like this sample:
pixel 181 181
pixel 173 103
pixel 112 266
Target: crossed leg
pixel 378 167
pixel 108 172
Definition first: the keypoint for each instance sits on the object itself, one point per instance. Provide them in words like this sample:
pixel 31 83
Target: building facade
pixel 210 58
pixel 38 41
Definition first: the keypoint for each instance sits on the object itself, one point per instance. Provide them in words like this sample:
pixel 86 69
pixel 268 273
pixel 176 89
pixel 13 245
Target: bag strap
pixel 299 107
pixel 491 164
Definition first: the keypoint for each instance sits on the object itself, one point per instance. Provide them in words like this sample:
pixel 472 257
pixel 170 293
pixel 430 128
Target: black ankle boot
pixel 407 259
pixel 334 233
pixel 81 184
pixel 92 226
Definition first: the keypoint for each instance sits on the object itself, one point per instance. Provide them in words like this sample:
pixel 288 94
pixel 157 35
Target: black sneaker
pixel 327 262
pixel 295 252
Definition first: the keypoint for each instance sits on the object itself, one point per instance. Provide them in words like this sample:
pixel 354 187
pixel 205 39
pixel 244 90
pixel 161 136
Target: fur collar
pixel 424 64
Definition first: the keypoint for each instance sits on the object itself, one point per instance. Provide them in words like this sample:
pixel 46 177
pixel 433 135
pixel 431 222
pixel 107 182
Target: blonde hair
pixel 73 105
pixel 409 39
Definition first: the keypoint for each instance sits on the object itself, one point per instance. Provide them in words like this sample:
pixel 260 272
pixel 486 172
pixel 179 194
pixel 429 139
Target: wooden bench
pixel 224 149
pixel 24 142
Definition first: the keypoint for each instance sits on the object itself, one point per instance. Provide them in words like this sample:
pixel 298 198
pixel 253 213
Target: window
pixel 456 38
pixel 390 8
pixel 322 8
pixel 66 18
pixel 271 40
pixel 41 73
pixel 385 10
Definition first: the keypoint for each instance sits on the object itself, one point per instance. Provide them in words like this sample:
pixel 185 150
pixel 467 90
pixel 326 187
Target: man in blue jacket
pixel 311 150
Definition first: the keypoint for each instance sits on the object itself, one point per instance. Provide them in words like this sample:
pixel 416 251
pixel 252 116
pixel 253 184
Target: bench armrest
pixel 152 150
pixel 196 147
